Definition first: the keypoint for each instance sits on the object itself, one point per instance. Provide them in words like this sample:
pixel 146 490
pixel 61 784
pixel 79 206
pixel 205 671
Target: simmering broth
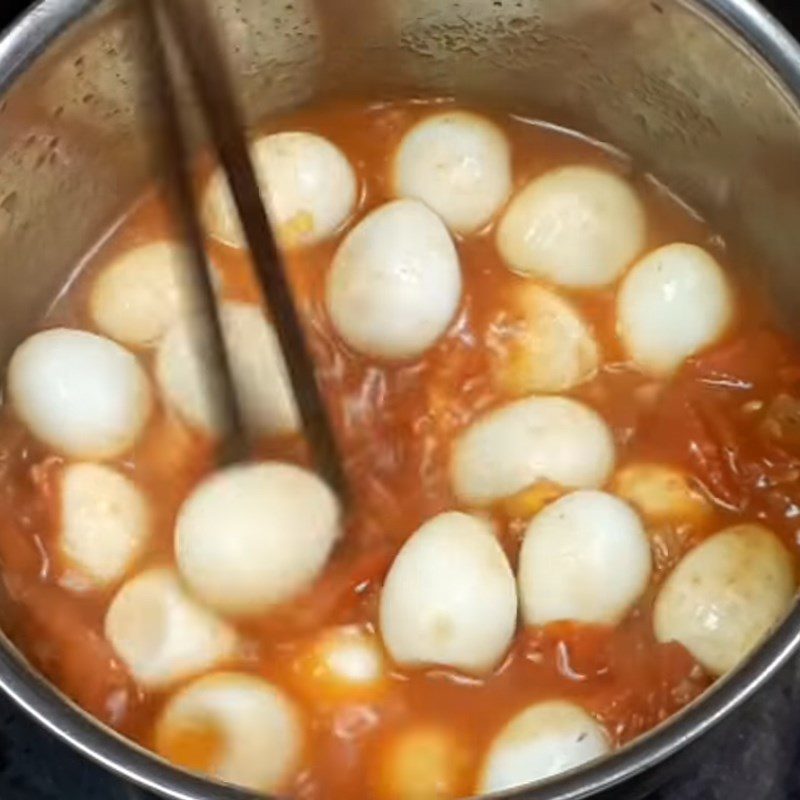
pixel 725 422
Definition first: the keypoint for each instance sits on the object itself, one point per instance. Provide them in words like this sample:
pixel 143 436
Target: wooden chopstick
pixel 173 157
pixel 194 34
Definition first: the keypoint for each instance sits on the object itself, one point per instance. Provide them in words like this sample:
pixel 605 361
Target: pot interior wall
pixel 657 79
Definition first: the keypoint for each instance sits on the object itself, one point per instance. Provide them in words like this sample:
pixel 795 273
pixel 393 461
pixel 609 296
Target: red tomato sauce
pixel 396 422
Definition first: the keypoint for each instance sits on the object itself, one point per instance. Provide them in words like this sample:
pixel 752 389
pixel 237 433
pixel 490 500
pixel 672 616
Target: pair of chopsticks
pixel 188 24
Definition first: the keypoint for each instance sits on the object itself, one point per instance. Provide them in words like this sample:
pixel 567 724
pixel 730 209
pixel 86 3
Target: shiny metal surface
pixel 701 93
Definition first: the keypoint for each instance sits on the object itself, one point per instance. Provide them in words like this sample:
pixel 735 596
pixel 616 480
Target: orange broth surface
pixel 396 423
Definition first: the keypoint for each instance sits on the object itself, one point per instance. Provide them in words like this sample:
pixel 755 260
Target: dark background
pixel 755 755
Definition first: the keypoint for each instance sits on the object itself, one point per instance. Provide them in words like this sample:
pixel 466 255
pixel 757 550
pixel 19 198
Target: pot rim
pixel 20 45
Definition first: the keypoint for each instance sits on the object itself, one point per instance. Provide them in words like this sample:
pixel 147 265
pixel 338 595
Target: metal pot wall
pixel 702 93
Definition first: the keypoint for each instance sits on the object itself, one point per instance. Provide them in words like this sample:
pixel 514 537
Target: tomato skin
pixel 716 419
pixel 621 673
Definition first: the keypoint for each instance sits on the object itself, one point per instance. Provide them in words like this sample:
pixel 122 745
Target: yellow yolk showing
pixel 531 501
pixel 423 763
pixel 295 230
pixel 661 494
pixel 196 746
pixel 342 665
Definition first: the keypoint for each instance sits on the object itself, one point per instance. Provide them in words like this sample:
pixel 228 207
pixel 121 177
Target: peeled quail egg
pixel 672 304
pixel 661 493
pixel 139 295
pixel 343 663
pixel 253 535
pixel 423 761
pixel 80 393
pixel 234 727
pixel 458 164
pixel 585 557
pixel 105 525
pixel 449 597
pixel 309 186
pixel 575 226
pixel 161 633
pixel 542 741
pixel 542 344
pixel 512 448
pixel 395 282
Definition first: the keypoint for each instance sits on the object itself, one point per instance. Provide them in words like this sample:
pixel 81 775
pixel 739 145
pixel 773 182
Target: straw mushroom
pixel 726 595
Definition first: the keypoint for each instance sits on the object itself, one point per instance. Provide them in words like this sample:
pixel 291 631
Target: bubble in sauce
pixel 585 557
pixel 395 282
pixel 81 394
pixel 672 304
pixel 518 445
pixel 105 525
pixel 253 535
pixel 142 292
pixel 236 728
pixel 256 361
pixel 726 595
pixel 542 344
pixel 575 226
pixel 449 597
pixel 542 741
pixel 457 163
pixel 308 184
pixel 162 634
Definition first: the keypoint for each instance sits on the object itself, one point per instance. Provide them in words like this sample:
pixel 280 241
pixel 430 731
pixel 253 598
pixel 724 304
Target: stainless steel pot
pixel 702 93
